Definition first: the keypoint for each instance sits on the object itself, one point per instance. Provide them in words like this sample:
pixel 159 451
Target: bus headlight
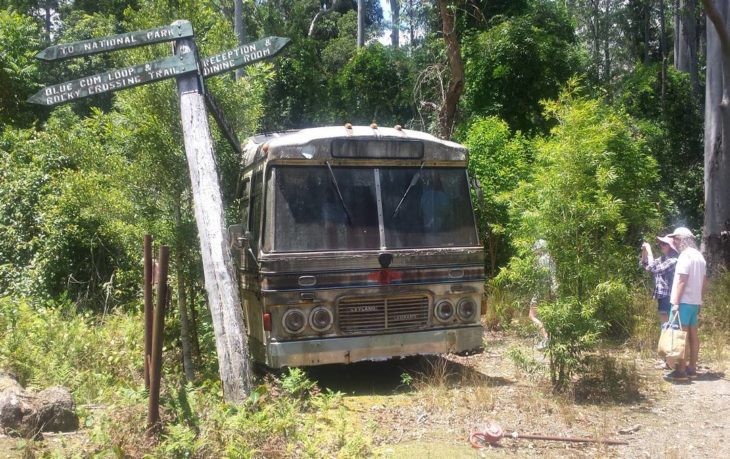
pixel 320 319
pixel 294 321
pixel 466 309
pixel 444 310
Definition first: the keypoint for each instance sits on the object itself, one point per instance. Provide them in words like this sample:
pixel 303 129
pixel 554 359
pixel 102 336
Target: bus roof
pixel 351 143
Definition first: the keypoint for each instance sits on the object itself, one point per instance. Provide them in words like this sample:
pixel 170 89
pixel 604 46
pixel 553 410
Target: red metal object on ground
pixel 492 433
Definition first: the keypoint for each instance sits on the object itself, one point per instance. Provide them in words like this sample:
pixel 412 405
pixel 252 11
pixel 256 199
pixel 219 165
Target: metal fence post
pixel 148 312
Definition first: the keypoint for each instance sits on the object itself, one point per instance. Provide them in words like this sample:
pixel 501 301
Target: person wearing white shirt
pixel 689 284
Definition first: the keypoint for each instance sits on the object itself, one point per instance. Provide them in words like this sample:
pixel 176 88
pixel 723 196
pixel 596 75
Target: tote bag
pixel 672 341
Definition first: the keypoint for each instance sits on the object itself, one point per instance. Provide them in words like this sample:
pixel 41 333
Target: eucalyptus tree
pixel 716 234
pixel 686 40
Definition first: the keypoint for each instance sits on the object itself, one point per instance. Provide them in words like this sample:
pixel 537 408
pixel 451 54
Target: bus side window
pixel 255 215
pixel 244 202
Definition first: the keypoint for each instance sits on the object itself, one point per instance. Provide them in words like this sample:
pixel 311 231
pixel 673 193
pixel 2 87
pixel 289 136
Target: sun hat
pixel 681 232
pixel 667 240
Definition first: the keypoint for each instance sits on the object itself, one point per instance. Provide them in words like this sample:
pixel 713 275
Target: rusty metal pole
pixel 147 307
pixel 153 409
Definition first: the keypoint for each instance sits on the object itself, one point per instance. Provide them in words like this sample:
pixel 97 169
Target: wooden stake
pixel 147 307
pixel 153 407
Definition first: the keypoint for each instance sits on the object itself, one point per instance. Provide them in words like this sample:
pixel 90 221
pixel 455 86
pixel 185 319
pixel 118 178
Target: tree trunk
pixel 360 23
pixel 194 323
pixel 716 233
pixel 220 278
pixel 647 30
pixel 395 28
pixel 447 112
pixel 47 22
pixel 663 49
pixel 239 28
pixel 606 30
pixel 412 23
pixel 685 42
pixel 188 365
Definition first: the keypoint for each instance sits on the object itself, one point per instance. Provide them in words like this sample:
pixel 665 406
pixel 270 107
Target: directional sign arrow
pixel 243 55
pixel 114 42
pixel 115 79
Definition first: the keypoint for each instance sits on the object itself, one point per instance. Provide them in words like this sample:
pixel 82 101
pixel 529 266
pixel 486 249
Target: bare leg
pixel 663 318
pixel 536 321
pixel 694 342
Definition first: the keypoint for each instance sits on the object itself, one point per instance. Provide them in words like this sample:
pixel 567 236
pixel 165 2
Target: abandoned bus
pixel 357 243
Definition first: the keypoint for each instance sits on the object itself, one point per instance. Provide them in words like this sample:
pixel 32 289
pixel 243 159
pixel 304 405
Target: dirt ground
pixel 450 398
pixel 427 407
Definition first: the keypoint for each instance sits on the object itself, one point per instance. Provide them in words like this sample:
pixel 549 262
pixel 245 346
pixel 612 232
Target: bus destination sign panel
pixel 113 80
pixel 111 43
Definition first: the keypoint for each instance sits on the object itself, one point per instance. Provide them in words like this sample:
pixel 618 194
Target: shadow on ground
pixel 387 377
pixel 606 379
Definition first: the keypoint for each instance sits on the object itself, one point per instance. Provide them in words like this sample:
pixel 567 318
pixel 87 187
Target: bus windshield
pixel 309 214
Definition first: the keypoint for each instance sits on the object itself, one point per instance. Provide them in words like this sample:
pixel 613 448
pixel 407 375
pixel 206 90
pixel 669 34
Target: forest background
pixel 584 120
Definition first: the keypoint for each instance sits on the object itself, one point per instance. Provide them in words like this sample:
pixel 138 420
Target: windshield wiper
pixel 416 177
pixel 339 193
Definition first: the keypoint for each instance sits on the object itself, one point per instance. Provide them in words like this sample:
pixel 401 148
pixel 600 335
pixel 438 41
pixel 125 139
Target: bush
pixel 573 329
pixel 499 160
pixel 49 344
pixel 592 198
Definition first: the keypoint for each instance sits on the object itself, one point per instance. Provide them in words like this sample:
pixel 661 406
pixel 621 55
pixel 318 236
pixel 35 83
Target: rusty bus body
pixel 357 243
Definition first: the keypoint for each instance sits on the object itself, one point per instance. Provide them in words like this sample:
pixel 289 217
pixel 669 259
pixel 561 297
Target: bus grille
pixel 363 315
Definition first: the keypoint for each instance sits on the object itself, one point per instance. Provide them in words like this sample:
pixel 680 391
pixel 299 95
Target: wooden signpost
pixel 114 80
pixel 115 42
pixel 189 71
pixel 168 67
pixel 243 55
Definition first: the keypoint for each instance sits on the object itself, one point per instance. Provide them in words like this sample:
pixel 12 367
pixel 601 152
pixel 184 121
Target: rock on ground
pixel 27 414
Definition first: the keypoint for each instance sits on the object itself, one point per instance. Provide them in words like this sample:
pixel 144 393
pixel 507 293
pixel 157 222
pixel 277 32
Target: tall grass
pixel 49 344
pixel 100 361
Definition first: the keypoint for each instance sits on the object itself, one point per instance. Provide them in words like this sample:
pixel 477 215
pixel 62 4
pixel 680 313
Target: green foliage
pixel 66 224
pixel 406 379
pixel 716 308
pixel 518 62
pixel 524 362
pixel 573 329
pixel 592 197
pixel 272 422
pixel 673 127
pixel 499 160
pixel 374 87
pixel 19 75
pixel 49 344
pixel 296 384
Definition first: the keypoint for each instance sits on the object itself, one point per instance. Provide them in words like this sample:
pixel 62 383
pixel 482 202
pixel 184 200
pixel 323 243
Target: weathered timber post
pixel 220 284
pixel 147 307
pixel 158 328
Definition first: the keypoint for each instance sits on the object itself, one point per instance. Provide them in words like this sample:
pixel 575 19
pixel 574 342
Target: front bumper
pixel 375 347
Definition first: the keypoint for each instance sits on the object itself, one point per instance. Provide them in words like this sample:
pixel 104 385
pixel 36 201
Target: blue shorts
pixel 688 314
pixel 663 305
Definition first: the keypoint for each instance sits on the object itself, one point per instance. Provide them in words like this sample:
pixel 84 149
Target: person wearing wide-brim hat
pixel 686 297
pixel 663 270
